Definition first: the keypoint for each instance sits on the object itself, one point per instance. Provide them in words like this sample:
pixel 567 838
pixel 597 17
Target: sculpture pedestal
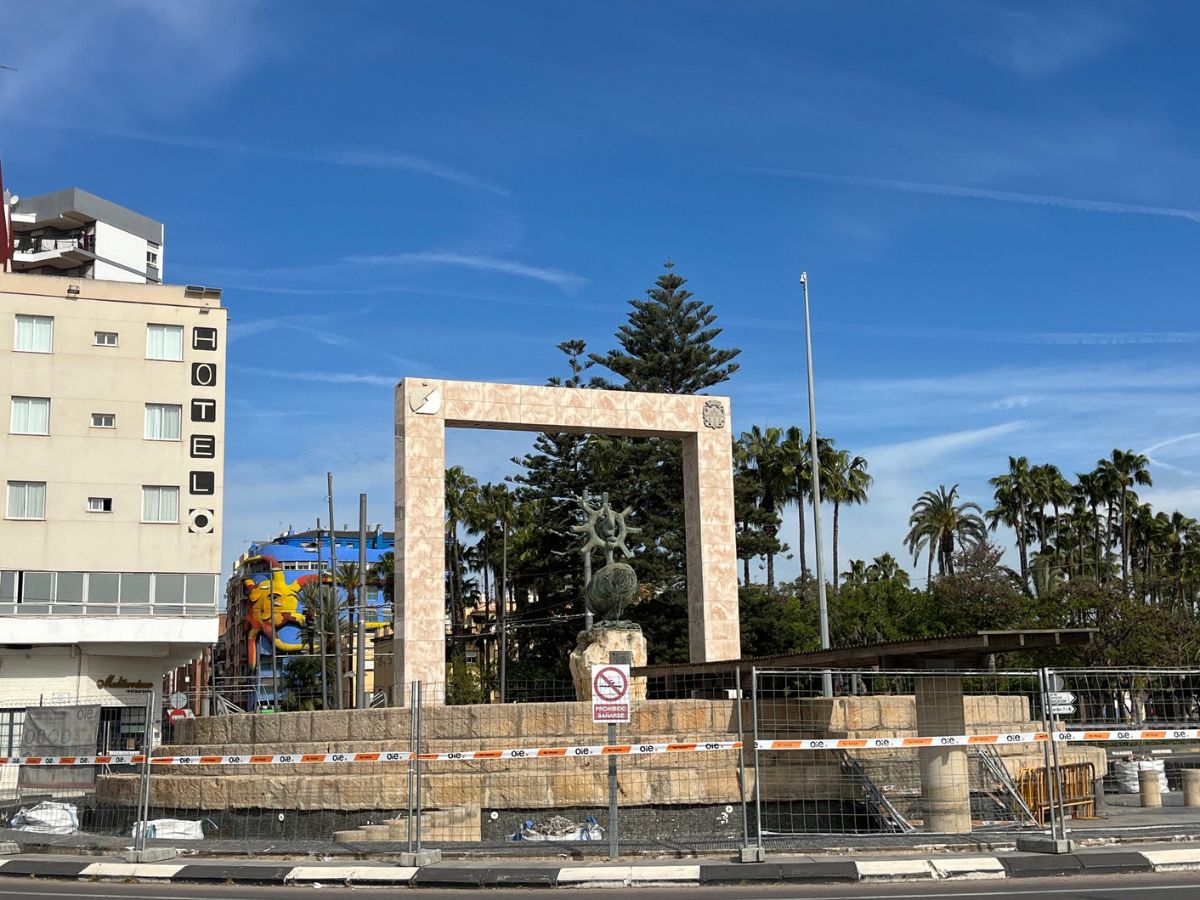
pixel 593 648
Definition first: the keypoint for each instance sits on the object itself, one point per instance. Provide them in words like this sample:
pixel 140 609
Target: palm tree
pixel 937 522
pixel 798 455
pixel 1049 488
pixel 1089 492
pixel 491 511
pixel 761 453
pixel 848 485
pixel 1181 531
pixel 1012 500
pixel 460 492
pixel 857 573
pixel 383 576
pixel 317 626
pixel 886 568
pixel 1125 468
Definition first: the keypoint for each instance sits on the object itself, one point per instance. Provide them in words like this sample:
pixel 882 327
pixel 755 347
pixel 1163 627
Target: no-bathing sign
pixel 610 693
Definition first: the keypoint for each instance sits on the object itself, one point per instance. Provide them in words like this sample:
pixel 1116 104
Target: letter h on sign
pixel 204 338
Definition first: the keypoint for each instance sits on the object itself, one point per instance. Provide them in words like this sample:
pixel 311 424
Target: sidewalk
pixel 534 873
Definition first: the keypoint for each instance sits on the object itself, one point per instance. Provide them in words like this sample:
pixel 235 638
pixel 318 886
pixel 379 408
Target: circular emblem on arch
pixel 713 414
pixel 425 399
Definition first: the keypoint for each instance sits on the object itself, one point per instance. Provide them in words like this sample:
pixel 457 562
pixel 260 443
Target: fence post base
pixel 421 858
pixel 752 854
pixel 150 854
pixel 1043 843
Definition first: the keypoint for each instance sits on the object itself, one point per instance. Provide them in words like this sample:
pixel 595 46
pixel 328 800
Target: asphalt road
pixel 1181 886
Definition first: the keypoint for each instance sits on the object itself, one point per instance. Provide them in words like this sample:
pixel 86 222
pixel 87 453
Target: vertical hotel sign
pixel 202 482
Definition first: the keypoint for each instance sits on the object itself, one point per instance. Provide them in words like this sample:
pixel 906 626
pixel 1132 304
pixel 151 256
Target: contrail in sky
pixel 950 190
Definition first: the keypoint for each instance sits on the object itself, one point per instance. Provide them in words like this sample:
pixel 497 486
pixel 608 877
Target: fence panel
pixel 706 764
pixel 61 803
pixel 1140 720
pixel 893 752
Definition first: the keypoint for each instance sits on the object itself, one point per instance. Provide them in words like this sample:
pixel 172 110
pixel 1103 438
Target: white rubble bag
pixel 1126 772
pixel 170 830
pixel 48 817
pixel 559 828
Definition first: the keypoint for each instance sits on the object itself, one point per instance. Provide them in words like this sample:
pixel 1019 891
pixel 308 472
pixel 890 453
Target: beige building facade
pixel 425 408
pixel 111 464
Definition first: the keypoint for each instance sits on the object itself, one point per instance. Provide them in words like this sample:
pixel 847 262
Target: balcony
pixel 28 594
pixel 63 252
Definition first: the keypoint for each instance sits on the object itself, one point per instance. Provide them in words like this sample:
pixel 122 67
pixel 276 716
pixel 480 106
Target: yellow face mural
pixel 273 604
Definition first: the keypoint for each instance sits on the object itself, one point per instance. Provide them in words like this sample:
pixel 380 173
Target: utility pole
pixel 360 659
pixel 337 612
pixel 501 613
pixel 321 617
pixel 822 608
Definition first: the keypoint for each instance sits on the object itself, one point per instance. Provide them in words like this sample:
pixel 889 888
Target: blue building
pixel 267 622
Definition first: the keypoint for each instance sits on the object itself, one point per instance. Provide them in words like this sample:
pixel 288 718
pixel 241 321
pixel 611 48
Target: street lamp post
pixel 822 608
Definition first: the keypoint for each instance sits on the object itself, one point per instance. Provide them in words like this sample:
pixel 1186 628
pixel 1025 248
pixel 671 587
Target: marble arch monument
pixel 425 407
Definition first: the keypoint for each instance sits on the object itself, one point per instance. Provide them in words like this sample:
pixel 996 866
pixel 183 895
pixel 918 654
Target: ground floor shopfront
pixel 115 676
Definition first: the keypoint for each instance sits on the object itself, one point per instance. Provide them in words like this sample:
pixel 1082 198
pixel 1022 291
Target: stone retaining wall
pixel 683 778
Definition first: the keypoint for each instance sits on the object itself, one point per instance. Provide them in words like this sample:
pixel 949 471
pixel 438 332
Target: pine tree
pixel 554 473
pixel 665 347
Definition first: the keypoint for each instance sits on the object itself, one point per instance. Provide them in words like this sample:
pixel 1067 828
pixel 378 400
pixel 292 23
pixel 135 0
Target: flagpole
pixel 822 608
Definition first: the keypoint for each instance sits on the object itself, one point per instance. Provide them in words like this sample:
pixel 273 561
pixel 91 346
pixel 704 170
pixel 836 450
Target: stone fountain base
pixel 593 648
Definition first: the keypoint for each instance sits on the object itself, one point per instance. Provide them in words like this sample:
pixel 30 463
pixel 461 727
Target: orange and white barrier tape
pixel 590 750
pixel 1131 734
pixel 895 743
pixel 969 740
pixel 384 756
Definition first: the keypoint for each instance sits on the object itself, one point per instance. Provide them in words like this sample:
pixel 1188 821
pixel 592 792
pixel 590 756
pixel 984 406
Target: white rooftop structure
pixel 77 234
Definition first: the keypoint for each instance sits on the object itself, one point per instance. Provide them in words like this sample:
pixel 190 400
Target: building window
pixel 164 342
pixel 163 421
pixel 30 415
pixel 105 339
pixel 160 503
pixel 152 256
pixel 104 420
pixel 12 722
pixel 100 504
pixel 34 334
pixel 26 500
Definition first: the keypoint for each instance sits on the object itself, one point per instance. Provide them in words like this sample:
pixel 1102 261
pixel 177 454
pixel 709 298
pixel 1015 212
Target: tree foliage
pixel 1089 552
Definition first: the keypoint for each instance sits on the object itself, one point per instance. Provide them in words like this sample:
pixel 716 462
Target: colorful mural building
pixel 279 603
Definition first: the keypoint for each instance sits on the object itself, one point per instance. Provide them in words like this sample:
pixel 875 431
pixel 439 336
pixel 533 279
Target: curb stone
pixel 812 871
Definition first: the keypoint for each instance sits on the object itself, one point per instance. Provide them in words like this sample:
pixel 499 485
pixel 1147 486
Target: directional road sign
pixel 1061 698
pixel 1062 709
pixel 610 693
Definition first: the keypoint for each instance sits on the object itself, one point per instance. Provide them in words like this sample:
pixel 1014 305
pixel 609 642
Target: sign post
pixel 610 704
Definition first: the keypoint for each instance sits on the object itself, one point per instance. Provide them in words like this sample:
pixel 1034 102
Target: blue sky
pixel 998 205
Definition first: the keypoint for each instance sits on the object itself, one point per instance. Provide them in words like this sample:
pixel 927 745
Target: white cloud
pixel 1048 39
pixel 318 376
pixel 1071 415
pixel 949 190
pixel 360 158
pixel 569 282
pixel 100 61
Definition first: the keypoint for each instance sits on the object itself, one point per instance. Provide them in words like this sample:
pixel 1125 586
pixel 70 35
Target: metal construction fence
pixel 86 743
pixel 765 759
